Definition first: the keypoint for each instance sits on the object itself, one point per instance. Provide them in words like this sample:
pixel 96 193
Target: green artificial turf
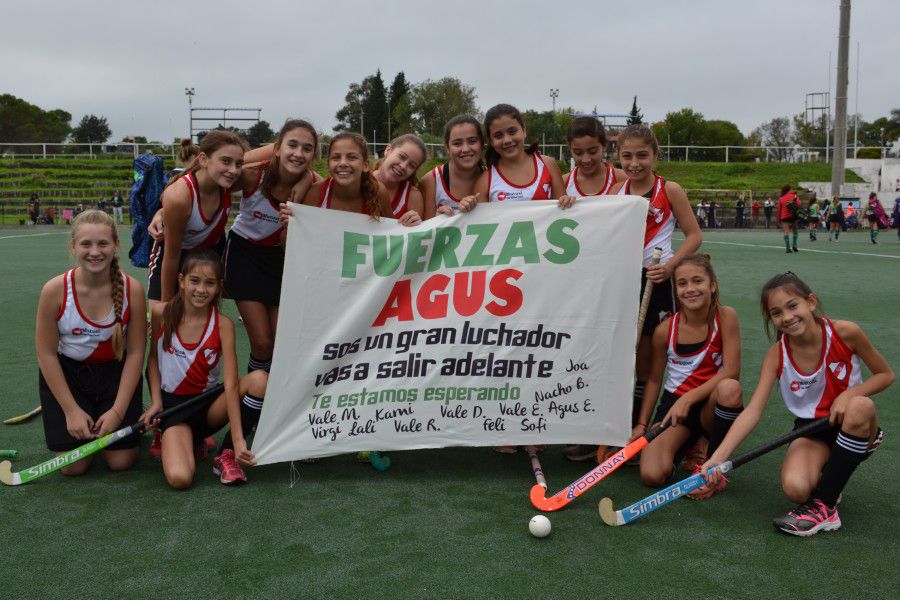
pixel 450 523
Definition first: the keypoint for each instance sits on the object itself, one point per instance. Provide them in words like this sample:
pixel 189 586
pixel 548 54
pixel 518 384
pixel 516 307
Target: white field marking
pixel 804 249
pixel 23 235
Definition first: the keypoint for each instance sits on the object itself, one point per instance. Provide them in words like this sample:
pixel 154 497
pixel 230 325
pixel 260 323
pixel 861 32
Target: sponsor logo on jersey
pixel 264 217
pixel 795 386
pixel 88 331
pixel 803 384
pixel 501 196
pixel 177 352
pixel 839 369
pixel 210 356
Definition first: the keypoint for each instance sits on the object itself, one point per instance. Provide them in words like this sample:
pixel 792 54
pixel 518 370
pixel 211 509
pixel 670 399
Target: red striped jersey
pixel 572 188
pixel 257 220
pixel 500 189
pixel 660 222
pixel 400 201
pixel 188 369
pixel 810 395
pixel 325 197
pixel 442 195
pixel 80 338
pixel 200 231
pixel 687 372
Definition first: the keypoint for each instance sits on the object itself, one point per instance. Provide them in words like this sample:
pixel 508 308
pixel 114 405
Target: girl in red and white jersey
pixel 254 257
pixel 816 362
pixel 515 172
pixel 447 184
pixel 638 153
pixel 192 343
pixel 397 174
pixel 592 176
pixel 89 348
pixel 195 207
pixel 697 353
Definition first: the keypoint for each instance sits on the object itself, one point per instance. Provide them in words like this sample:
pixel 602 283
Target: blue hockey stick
pixel 641 508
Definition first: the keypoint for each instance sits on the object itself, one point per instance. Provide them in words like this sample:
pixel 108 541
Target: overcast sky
pixel 742 61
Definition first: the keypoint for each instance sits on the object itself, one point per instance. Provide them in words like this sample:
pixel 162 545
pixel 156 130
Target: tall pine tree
pixel 375 108
pixel 398 95
pixel 635 117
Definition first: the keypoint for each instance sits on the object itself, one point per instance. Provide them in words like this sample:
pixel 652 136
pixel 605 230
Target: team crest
pixel 210 356
pixel 839 369
pixel 546 188
pixel 716 358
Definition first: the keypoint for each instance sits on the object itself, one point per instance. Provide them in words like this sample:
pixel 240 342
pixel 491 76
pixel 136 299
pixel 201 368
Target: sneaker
pixel 580 452
pixel 156 444
pixel 796 249
pixel 696 455
pixel 707 490
pixel 788 251
pixel 808 519
pixel 226 468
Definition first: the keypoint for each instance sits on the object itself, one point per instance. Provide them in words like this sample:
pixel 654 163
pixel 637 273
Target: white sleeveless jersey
pixel 688 372
pixel 572 188
pixel 258 220
pixel 442 195
pixel 660 222
pixel 202 232
pixel 810 395
pixel 400 201
pixel 501 189
pixel 80 338
pixel 189 369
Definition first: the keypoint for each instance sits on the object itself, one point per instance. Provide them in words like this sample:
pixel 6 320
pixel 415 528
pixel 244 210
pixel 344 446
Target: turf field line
pixel 24 235
pixel 804 249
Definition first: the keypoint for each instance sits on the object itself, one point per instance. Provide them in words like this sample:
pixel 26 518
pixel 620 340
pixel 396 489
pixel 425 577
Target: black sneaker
pixel 796 249
pixel 809 519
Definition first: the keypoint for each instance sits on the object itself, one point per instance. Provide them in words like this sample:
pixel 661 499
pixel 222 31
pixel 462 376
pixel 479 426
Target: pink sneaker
pixel 156 444
pixel 696 455
pixel 226 468
pixel 707 490
pixel 809 519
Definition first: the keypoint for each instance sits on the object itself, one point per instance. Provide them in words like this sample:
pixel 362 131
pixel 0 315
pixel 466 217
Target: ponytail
pixel 370 189
pixel 118 295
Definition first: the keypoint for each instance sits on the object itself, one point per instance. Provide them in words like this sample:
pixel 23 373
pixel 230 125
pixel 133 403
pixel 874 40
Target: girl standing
pixel 788 207
pixel 699 351
pixel 446 184
pixel 592 175
pixel 813 219
pixel 835 219
pixel 397 174
pixel 89 348
pixel 192 344
pixel 254 257
pixel 816 363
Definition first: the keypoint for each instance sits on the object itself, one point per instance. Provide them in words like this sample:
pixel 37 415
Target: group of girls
pixel 91 350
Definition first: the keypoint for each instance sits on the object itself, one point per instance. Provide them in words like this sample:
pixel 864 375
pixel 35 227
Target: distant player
pixel 812 221
pixel 835 217
pixel 876 217
pixel 192 344
pixel 447 184
pixel 816 363
pixel 788 216
pixel 91 334
pixel 698 350
pixel 397 174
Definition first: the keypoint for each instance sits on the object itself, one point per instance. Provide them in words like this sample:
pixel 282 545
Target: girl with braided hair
pixel 89 348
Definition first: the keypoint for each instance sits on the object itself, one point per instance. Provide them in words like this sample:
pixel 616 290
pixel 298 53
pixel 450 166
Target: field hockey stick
pixel 560 499
pixel 22 418
pixel 536 466
pixel 9 453
pixel 675 491
pixel 56 463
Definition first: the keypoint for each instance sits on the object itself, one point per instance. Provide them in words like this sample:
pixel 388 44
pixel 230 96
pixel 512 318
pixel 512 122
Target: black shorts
pixel 94 387
pixel 662 303
pixel 873 220
pixel 195 417
pixel 253 272
pixel 789 220
pixel 827 435
pixel 812 219
pixel 835 219
pixel 693 419
pixel 154 272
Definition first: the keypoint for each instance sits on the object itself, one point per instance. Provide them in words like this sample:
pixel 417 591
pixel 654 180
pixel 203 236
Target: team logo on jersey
pixel 501 196
pixel 716 358
pixel 546 188
pixel 210 356
pixel 86 331
pixel 839 369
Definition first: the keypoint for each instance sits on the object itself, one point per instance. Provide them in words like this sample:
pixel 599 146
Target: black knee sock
pixel 251 407
pixel 846 454
pixel 255 364
pixel 637 400
pixel 723 417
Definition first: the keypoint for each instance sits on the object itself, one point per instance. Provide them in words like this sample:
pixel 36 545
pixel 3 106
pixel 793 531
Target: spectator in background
pixel 739 212
pixel 78 210
pixel 767 210
pixel 711 215
pixel 117 207
pixel 101 203
pixel 701 213
pixel 34 208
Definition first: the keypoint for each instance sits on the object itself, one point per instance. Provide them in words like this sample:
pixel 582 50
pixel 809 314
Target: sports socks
pixel 846 454
pixel 723 417
pixel 251 408
pixel 795 238
pixel 637 400
pixel 787 243
pixel 837 234
pixel 255 364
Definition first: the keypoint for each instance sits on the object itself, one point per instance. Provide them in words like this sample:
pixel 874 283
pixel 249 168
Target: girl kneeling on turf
pixel 699 350
pixel 89 349
pixel 192 344
pixel 816 363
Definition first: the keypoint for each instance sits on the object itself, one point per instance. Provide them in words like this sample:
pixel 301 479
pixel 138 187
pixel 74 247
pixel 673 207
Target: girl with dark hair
pixel 592 175
pixel 816 362
pixel 447 184
pixel 788 209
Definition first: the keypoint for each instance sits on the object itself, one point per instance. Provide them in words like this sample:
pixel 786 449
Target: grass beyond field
pixel 451 522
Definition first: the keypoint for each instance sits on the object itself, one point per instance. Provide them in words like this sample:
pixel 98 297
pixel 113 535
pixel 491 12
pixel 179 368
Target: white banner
pixel 514 324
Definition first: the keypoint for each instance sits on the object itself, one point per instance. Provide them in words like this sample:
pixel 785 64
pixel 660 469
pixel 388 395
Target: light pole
pixel 554 94
pixel 189 92
pixel 389 118
pixel 882 142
